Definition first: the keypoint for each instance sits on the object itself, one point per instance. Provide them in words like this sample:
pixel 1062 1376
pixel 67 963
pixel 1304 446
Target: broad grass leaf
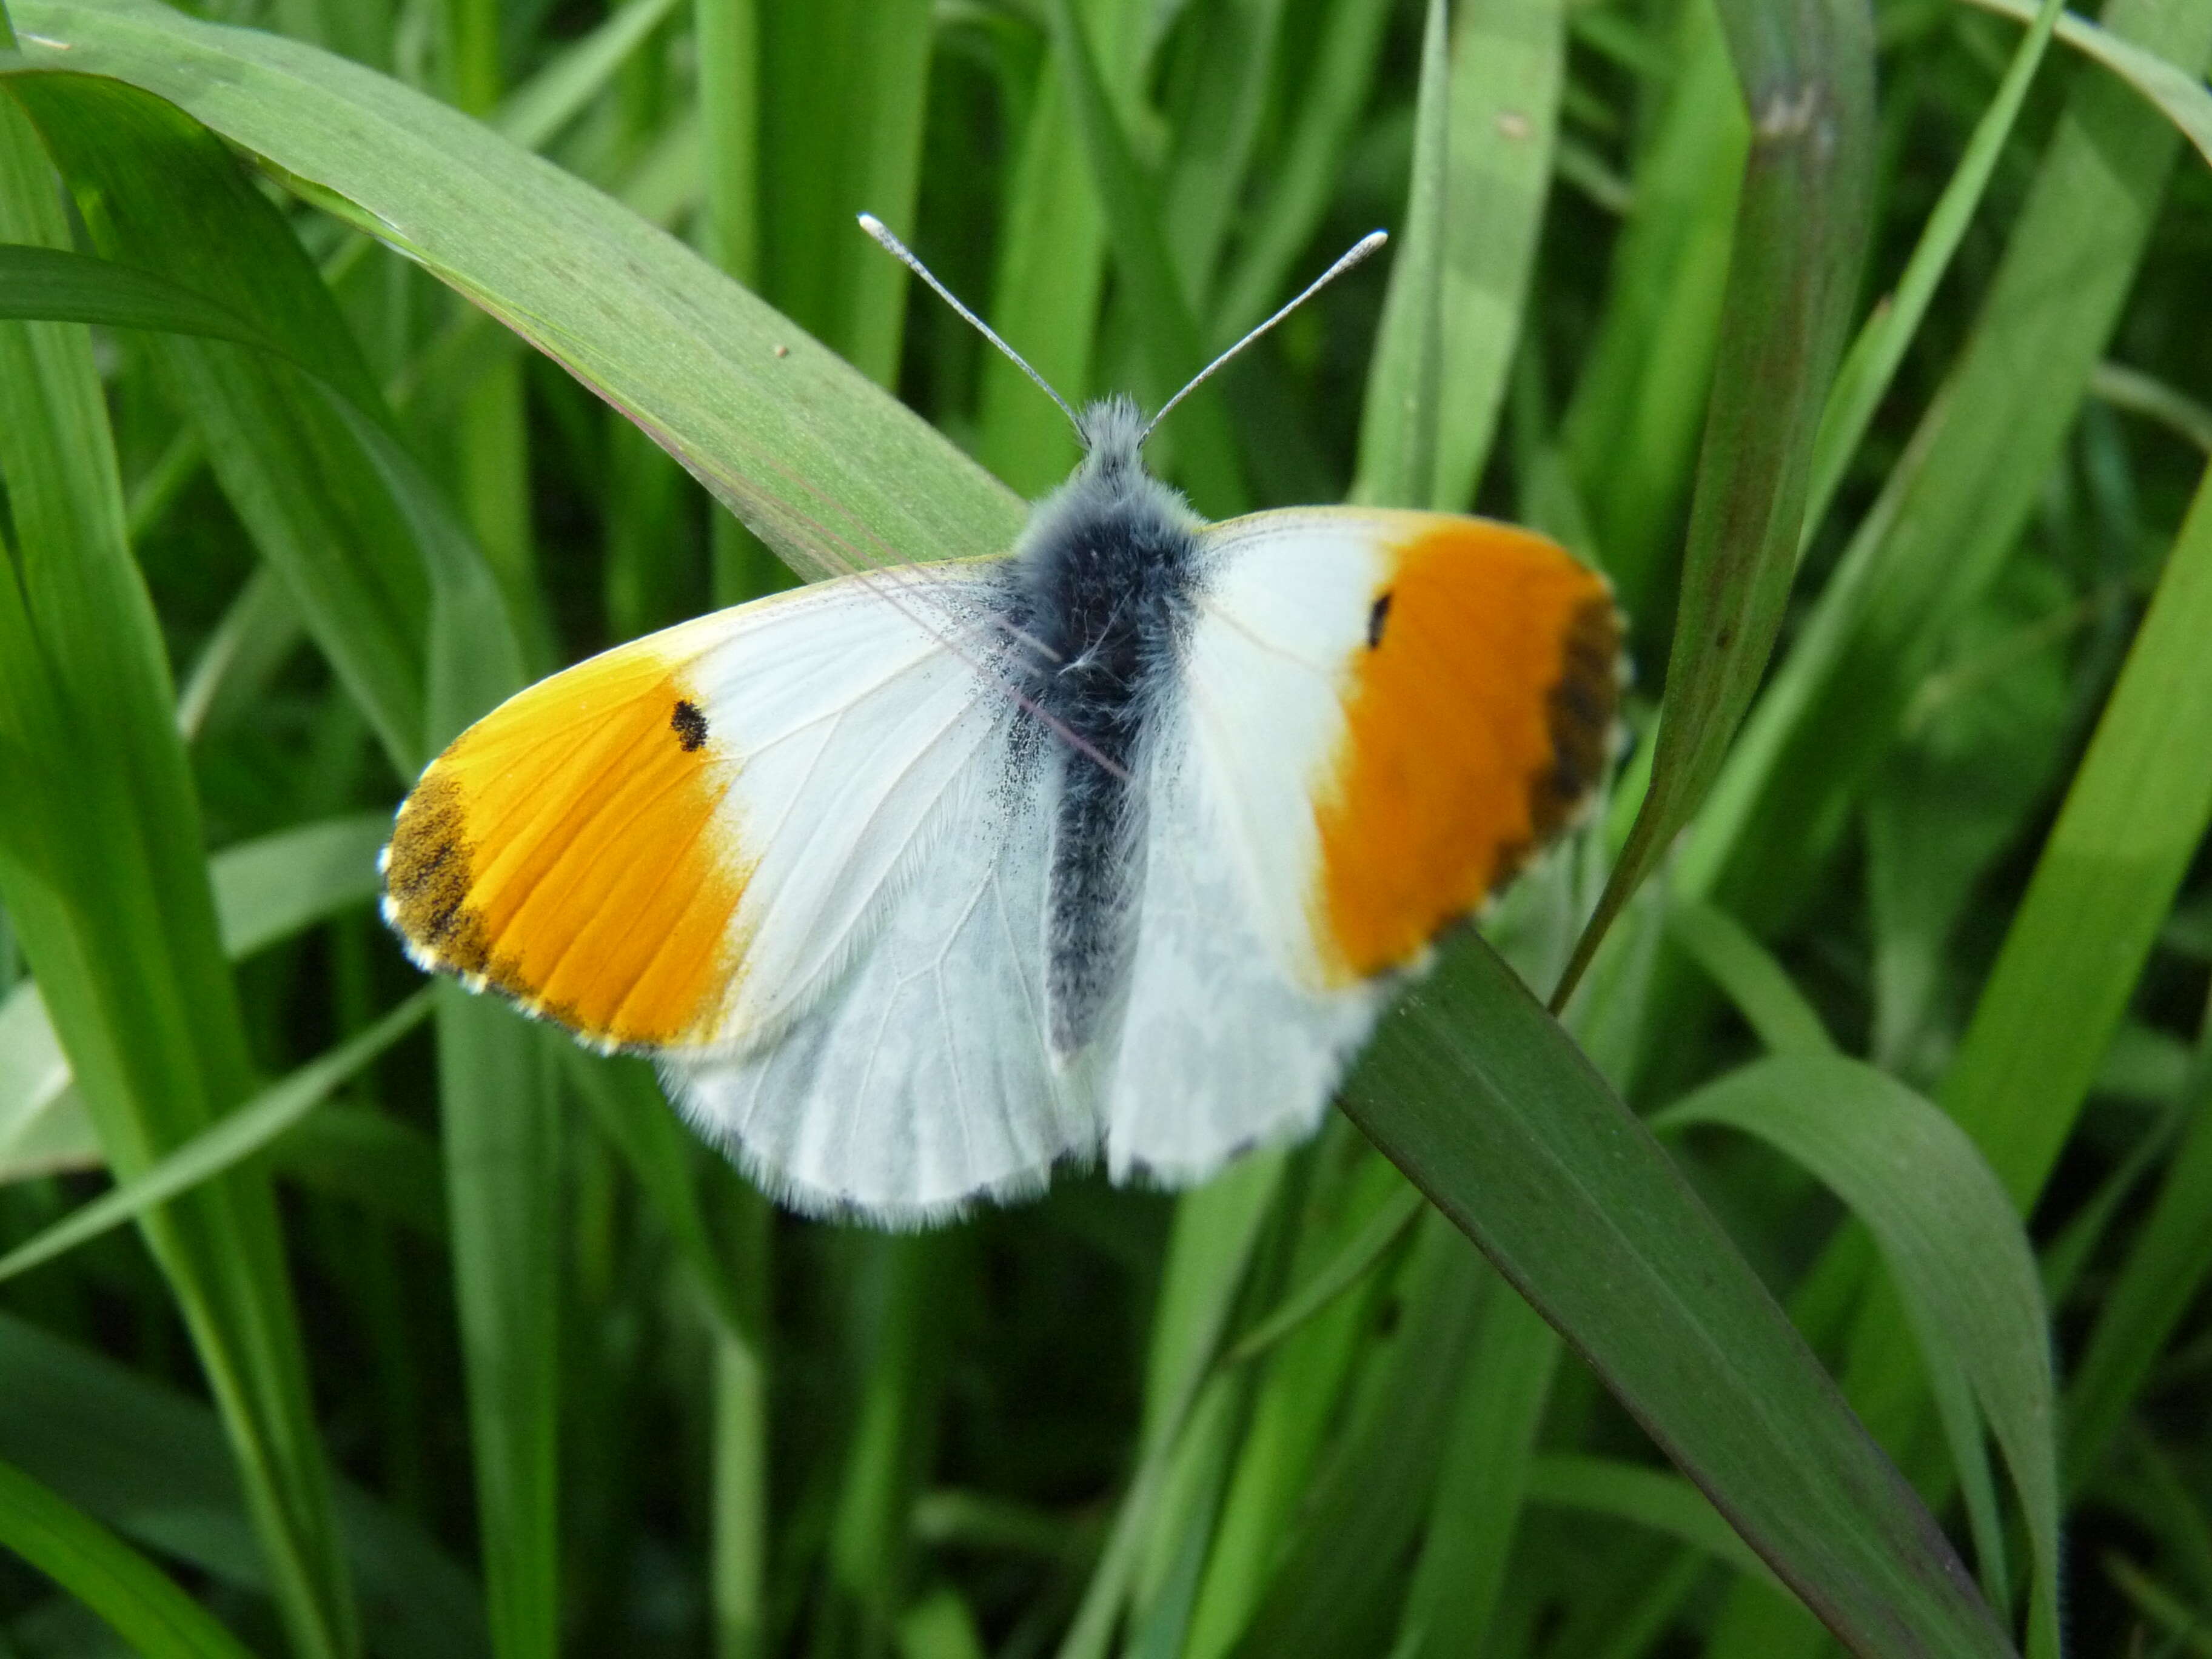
pixel 1485 1102
pixel 112 907
pixel 829 472
pixel 1950 1237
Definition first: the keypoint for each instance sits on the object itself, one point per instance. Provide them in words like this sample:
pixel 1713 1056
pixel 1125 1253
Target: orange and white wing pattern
pixel 577 851
pixel 1383 714
pixel 783 850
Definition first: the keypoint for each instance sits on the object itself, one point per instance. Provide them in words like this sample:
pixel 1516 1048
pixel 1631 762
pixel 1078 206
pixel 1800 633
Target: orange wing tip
pixel 570 852
pixel 1480 720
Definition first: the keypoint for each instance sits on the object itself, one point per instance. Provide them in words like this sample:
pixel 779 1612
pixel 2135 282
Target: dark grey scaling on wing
pixel 689 727
pixel 1100 595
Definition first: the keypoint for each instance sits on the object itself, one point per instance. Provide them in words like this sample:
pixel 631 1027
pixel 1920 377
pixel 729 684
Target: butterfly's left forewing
pixel 1376 717
pixel 794 852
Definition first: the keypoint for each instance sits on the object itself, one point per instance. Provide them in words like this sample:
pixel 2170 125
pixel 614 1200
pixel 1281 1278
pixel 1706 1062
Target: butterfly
pixel 917 882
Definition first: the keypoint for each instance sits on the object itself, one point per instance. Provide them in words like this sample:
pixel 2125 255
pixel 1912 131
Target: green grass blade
pixel 502 1181
pixel 237 1136
pixel 1957 502
pixel 1630 430
pixel 1487 1105
pixel 56 285
pixel 265 891
pixel 1330 1594
pixel 1753 980
pixel 156 1465
pixel 2137 809
pixel 152 185
pixel 1950 1237
pixel 1174 348
pixel 1508 62
pixel 1324 114
pixel 842 137
pixel 534 111
pixel 1646 1496
pixel 1399 418
pixel 499 1122
pixel 2180 95
pixel 1052 262
pixel 271 888
pixel 1300 1396
pixel 1871 363
pixel 1358 1257
pixel 117 922
pixel 1224 96
pixel 2168 1263
pixel 1808 77
pixel 800 446
pixel 1482 1482
pixel 140 1603
pixel 1216 1229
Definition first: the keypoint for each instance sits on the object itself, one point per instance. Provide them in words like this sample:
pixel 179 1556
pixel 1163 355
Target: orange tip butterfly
pixel 918 882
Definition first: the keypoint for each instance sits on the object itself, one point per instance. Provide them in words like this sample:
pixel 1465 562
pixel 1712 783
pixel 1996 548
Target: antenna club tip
pixel 869 222
pixel 1368 244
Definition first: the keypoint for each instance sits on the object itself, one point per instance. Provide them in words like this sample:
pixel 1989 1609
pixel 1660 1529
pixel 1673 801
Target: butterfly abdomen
pixel 1102 588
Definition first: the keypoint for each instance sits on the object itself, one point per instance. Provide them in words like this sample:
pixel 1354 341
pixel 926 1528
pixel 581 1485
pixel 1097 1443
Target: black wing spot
pixel 688 725
pixel 1377 617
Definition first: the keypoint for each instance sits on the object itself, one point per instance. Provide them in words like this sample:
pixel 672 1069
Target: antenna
pixel 1352 256
pixel 899 250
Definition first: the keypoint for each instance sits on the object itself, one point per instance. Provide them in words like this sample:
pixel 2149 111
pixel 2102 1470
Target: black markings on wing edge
pixel 1581 706
pixel 1377 617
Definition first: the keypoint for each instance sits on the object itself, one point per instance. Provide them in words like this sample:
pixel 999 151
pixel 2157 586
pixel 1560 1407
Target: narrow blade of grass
pixel 1871 363
pixel 1297 189
pixel 1174 348
pixel 1629 1491
pixel 1508 62
pixel 138 1602
pixel 1482 1481
pixel 2134 815
pixel 1326 1596
pixel 1216 1229
pixel 1631 429
pixel 1052 262
pixel 1808 77
pixel 171 208
pixel 2181 95
pixel 1958 500
pixel 1753 979
pixel 1399 417
pixel 2168 1263
pixel 234 1138
pixel 156 1465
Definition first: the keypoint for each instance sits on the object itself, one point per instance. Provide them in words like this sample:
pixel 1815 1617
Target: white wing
pixel 921 1079
pixel 890 1059
pixel 793 851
